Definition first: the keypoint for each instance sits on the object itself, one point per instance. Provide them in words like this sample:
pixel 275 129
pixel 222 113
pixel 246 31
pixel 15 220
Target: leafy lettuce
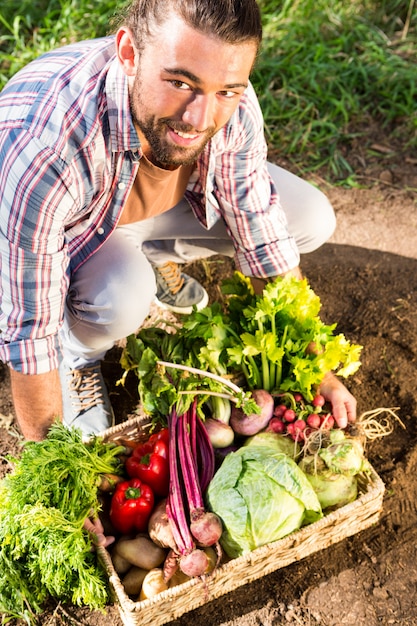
pixel 261 496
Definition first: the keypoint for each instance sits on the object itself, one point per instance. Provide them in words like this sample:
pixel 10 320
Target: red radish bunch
pixel 297 418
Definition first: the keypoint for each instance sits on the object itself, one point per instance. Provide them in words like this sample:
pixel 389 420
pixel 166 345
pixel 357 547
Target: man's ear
pixel 126 51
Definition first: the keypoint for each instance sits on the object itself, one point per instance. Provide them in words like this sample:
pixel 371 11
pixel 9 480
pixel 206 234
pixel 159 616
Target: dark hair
pixel 233 21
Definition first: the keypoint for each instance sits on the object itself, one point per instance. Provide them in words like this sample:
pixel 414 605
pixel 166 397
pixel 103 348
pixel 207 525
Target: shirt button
pixel 121 185
pixel 100 231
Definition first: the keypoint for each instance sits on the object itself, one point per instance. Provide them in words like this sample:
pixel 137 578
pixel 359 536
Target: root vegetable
pixel 141 552
pixel 132 582
pixel 314 420
pixel 153 583
pixel 220 434
pixel 179 578
pixel 159 527
pixel 276 425
pixel 171 565
pixel 212 559
pixel 255 422
pixel 191 469
pixel 120 564
pixel 205 527
pixel 195 563
pixel 108 482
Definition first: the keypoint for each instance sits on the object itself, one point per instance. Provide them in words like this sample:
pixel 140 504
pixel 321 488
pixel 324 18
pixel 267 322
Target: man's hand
pixel 258 284
pixel 95 528
pixel 342 401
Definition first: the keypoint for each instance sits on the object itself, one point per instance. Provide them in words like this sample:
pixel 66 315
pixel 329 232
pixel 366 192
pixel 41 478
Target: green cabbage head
pixel 261 496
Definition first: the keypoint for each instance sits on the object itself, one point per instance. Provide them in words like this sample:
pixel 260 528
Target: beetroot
pixel 191 458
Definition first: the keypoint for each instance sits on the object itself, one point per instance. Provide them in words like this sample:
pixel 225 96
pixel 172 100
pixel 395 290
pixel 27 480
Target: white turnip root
pixel 220 434
pixel 248 425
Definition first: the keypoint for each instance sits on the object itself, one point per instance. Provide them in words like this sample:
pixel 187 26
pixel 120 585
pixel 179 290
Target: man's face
pixel 186 87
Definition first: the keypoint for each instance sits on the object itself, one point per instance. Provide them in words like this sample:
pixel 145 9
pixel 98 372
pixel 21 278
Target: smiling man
pixel 122 159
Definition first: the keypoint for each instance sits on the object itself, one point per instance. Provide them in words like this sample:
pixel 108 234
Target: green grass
pixel 329 69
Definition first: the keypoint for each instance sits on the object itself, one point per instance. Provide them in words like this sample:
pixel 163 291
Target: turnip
pixel 255 422
pixel 220 434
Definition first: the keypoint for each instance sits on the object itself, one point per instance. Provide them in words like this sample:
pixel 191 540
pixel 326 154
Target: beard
pixel 155 132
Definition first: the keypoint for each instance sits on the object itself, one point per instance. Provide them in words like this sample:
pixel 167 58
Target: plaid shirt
pixel 69 155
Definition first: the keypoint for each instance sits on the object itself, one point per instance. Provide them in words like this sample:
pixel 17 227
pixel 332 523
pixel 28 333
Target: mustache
pixel 186 128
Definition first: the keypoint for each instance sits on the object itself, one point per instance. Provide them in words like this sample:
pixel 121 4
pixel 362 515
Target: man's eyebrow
pixel 198 81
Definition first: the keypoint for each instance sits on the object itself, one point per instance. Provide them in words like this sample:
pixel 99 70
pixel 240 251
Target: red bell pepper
pixel 149 462
pixel 131 506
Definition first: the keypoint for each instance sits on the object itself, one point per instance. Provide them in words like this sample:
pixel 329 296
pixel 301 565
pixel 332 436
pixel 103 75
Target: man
pixel 122 158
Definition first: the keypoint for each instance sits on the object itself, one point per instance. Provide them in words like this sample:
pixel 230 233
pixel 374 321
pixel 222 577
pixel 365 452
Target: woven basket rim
pixel 372 490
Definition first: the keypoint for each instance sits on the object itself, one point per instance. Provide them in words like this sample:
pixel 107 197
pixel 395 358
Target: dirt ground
pixel 366 277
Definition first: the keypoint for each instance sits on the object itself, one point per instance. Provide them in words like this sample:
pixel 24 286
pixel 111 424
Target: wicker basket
pixel 169 605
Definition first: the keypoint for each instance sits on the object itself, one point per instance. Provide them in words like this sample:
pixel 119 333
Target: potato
pixel 120 564
pixel 212 559
pixel 142 552
pixel 133 580
pixel 153 584
pixel 179 578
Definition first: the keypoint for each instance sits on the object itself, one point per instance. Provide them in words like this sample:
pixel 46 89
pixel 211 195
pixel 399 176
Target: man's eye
pixel 229 94
pixel 179 84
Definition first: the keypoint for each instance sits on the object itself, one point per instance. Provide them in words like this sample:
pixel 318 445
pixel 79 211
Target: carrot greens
pixel 44 501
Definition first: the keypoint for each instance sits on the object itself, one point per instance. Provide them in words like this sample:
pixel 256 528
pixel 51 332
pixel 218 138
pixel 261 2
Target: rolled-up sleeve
pixel 35 199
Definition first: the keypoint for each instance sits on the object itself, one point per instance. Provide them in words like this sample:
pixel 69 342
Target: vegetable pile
pixel 239 445
pixel 252 367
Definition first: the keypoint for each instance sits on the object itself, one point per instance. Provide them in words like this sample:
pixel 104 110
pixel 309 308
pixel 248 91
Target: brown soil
pixel 366 278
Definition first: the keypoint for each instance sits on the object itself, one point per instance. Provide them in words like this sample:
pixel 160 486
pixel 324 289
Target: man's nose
pixel 200 112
